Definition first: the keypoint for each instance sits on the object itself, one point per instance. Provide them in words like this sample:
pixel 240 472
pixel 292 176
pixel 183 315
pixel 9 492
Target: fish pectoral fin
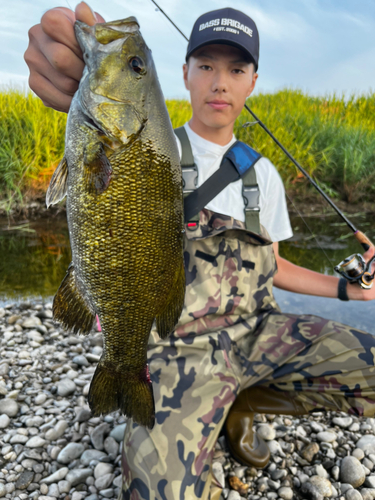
pixel 71 308
pixel 58 185
pixel 168 318
pixel 98 169
pixel 115 387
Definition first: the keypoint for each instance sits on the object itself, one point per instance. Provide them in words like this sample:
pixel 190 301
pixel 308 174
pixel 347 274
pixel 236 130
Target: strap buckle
pixel 251 198
pixel 189 178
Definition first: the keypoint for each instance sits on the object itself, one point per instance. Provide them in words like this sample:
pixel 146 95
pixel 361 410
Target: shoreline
pixel 309 206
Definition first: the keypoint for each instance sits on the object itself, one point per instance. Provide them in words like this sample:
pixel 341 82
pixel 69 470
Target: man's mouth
pixel 218 104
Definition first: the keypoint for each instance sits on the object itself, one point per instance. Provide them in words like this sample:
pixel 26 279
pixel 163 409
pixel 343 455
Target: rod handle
pixel 363 240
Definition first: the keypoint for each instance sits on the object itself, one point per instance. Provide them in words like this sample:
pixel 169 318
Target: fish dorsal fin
pixel 58 185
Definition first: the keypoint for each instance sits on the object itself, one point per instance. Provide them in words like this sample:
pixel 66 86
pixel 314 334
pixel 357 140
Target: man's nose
pixel 220 82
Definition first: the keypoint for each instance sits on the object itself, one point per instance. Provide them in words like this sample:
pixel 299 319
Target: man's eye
pixel 238 71
pixel 205 67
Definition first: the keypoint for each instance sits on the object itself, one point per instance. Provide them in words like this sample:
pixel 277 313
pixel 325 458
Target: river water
pixel 34 256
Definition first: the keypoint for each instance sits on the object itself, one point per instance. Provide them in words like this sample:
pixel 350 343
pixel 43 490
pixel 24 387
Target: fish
pixel 122 180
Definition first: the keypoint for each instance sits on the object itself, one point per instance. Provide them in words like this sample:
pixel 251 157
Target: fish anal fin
pixel 58 185
pixel 115 387
pixel 70 308
pixel 168 318
pixel 98 169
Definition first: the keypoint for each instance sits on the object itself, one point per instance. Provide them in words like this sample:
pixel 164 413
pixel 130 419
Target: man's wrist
pixel 342 291
pixel 355 291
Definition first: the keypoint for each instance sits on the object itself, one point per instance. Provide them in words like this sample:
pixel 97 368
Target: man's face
pixel 219 80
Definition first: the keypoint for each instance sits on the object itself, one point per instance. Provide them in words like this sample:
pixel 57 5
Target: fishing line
pixel 249 124
pixel 301 169
pixel 308 227
pixel 170 20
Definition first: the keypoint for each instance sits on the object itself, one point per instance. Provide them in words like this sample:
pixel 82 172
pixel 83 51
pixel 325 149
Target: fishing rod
pixel 354 268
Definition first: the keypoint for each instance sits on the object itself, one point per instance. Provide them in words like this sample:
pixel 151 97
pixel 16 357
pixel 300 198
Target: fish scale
pixel 123 182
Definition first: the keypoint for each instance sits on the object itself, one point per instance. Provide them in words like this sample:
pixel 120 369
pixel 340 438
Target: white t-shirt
pixel 273 210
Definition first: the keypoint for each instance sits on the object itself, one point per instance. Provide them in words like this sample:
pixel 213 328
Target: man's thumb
pixel 85 14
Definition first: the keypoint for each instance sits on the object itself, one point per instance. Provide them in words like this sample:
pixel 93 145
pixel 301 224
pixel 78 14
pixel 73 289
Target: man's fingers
pixel 63 60
pixel 39 64
pixel 58 24
pixel 85 14
pixel 369 253
pixel 54 56
pixel 99 18
pixel 53 60
pixel 48 93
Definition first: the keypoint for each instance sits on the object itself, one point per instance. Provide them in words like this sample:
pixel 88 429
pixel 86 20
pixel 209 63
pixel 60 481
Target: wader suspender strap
pixel 188 167
pixel 250 193
pixel 237 163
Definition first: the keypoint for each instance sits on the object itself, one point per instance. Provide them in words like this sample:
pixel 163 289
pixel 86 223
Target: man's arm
pixel 300 280
pixel 54 56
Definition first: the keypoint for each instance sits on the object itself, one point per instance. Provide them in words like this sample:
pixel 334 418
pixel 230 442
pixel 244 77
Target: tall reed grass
pixel 31 145
pixel 332 137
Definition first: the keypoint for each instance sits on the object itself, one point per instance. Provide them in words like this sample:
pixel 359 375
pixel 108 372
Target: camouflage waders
pixel 231 336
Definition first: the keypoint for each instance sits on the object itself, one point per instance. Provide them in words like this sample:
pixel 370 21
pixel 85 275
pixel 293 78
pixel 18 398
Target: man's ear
pixel 185 69
pixel 253 82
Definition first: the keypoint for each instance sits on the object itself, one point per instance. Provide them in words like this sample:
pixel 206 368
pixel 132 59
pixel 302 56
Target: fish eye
pixel 137 65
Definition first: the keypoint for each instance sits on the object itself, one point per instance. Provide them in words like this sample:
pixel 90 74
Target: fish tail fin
pixel 58 185
pixel 168 318
pixel 70 308
pixel 116 388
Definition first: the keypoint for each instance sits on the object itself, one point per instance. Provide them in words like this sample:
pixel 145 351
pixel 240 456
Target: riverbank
pixel 332 138
pixel 309 205
pixel 52 448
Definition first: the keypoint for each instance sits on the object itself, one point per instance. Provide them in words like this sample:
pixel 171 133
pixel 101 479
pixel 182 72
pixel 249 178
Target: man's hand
pixel 300 280
pixel 368 255
pixel 54 56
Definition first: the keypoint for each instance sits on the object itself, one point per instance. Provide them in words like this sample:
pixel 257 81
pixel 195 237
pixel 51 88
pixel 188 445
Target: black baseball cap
pixel 229 27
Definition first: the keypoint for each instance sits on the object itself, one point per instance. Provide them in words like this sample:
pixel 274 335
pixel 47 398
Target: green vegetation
pixel 333 138
pixel 31 146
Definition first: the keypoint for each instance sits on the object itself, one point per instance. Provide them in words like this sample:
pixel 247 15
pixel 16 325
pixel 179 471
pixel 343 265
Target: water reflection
pixel 36 254
pixel 34 257
pixel 334 241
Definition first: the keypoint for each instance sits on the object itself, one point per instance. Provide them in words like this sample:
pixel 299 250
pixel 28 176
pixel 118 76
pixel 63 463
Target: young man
pixel 231 336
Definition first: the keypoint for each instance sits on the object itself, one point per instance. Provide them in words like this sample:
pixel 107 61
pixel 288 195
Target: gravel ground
pixel 51 447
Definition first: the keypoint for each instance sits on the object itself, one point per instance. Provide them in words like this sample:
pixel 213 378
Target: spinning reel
pixel 356 270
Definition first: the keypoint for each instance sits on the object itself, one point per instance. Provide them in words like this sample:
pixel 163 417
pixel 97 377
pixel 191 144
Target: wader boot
pixel 244 444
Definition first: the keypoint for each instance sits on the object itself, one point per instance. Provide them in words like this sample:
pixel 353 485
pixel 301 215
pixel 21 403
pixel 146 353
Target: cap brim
pixel 221 41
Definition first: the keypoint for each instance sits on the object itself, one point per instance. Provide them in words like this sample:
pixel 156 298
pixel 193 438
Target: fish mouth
pixel 93 125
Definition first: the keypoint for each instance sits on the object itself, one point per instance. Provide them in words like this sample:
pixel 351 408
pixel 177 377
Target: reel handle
pixel 363 240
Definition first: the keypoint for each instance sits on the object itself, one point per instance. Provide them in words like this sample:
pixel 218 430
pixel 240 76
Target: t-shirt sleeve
pixel 273 208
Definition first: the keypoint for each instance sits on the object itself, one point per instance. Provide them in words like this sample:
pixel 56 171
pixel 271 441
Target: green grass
pixel 31 145
pixel 333 138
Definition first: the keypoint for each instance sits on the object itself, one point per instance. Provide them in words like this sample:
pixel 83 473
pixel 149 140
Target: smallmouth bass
pixel 122 178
